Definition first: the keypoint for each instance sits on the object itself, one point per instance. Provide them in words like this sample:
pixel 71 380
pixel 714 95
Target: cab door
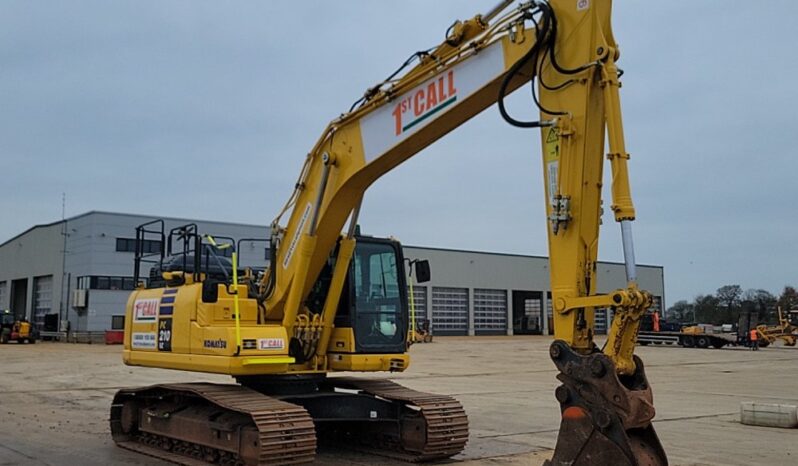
pixel 378 297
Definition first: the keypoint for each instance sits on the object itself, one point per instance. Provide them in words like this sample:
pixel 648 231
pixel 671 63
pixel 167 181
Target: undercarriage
pixel 280 421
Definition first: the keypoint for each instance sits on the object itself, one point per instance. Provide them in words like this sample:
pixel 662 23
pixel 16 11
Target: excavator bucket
pixel 606 418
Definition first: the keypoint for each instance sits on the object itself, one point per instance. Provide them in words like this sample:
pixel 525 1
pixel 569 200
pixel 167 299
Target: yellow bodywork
pixel 397 119
pixel 200 337
pixel 23 329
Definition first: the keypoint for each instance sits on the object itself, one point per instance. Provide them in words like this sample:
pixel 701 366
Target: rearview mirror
pixel 422 271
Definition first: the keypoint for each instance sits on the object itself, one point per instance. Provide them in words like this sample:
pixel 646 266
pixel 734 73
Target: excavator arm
pixel 394 121
pixel 567 49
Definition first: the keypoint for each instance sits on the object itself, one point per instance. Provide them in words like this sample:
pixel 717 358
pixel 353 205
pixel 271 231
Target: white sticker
pixel 582 5
pixel 297 234
pixel 143 340
pixel 552 168
pixel 271 343
pixel 395 121
pixel 145 310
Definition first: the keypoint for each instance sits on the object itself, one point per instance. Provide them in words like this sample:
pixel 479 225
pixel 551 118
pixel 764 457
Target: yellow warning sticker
pixel 551 146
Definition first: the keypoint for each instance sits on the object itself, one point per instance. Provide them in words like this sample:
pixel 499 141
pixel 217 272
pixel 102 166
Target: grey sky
pixel 206 110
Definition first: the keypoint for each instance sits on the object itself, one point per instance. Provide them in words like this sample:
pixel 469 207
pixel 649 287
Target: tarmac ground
pixel 55 399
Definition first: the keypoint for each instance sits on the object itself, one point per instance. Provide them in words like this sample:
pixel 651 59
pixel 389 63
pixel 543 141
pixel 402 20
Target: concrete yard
pixel 55 397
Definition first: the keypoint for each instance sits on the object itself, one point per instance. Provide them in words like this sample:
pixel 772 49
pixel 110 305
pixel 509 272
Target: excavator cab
pixel 374 303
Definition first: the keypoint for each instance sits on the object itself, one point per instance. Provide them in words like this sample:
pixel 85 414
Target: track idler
pixel 606 419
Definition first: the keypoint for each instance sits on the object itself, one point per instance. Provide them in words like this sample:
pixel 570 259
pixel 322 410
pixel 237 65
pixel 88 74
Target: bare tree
pixel 729 297
pixel 761 301
pixel 706 308
pixel 681 311
pixel 788 299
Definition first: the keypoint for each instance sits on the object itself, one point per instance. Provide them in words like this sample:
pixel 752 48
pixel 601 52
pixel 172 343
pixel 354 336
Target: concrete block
pixel 768 414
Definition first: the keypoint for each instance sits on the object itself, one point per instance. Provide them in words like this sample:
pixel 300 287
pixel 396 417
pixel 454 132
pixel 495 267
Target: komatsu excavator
pixel 332 301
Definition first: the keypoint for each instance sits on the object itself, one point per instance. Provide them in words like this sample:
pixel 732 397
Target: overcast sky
pixel 207 109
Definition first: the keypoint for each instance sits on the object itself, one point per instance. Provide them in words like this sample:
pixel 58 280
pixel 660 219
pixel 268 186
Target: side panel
pixel 172 328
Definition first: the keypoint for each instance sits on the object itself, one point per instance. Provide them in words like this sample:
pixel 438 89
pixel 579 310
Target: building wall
pixel 470 292
pixel 484 275
pixel 476 269
pixel 103 306
pixel 91 243
pixel 35 253
pixel 92 251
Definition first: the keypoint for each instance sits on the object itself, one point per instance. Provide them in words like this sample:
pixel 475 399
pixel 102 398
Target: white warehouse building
pixel 80 271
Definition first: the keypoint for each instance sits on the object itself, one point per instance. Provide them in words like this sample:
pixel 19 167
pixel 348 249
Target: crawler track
pixel 264 430
pixel 203 423
pixel 433 426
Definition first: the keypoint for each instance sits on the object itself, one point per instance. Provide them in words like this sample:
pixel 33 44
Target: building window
pixel 101 283
pixel 226 252
pixel 149 246
pixel 125 245
pixel 97 282
pixel 117 322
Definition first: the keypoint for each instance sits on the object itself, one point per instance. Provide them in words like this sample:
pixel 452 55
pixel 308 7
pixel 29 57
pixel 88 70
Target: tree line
pixel 725 305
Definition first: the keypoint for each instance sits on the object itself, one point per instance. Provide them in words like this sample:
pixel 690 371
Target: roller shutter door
pixel 419 300
pixel 600 325
pixel 449 311
pixel 490 312
pixel 42 299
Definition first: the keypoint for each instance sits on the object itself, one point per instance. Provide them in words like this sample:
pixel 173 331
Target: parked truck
pixel 659 331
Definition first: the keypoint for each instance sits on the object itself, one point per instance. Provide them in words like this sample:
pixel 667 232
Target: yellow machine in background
pixel 420 329
pixel 332 301
pixel 11 329
pixel 785 331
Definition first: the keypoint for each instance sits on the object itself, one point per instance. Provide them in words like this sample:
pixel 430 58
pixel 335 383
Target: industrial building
pixel 80 270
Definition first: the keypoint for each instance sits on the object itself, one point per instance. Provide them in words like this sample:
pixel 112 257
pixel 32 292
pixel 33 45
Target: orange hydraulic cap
pixel 574 413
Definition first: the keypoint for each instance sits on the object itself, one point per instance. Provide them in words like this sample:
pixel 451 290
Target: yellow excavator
pixel 333 301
